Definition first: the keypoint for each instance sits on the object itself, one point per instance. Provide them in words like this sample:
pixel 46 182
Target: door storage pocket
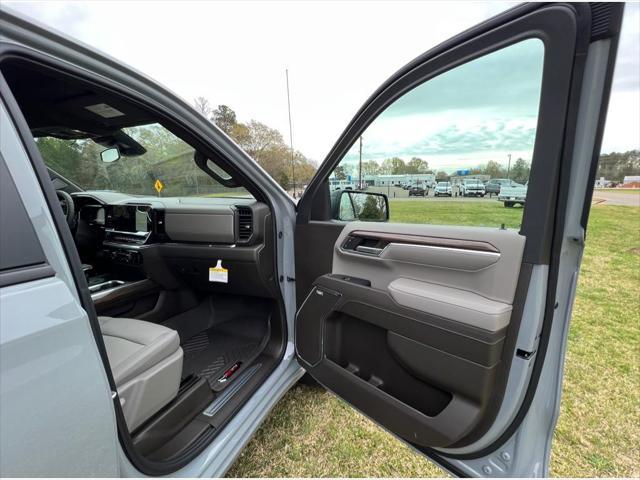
pixel 362 349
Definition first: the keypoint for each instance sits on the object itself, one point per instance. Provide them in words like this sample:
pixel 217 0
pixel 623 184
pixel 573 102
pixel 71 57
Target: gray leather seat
pixel 146 363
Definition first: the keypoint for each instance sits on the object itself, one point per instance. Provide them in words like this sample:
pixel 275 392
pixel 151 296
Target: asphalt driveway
pixel 629 198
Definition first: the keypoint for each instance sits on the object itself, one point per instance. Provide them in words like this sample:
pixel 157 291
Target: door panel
pixel 412 324
pixel 52 381
pixel 451 261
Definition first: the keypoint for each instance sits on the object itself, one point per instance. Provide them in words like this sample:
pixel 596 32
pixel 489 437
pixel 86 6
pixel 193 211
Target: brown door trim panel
pixel 385 238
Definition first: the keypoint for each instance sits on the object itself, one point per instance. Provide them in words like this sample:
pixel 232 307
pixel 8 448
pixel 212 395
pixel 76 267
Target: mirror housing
pixel 350 205
pixel 110 155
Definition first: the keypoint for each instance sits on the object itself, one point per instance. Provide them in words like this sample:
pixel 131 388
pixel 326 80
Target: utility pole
pixel 360 167
pixel 293 162
pixel 508 166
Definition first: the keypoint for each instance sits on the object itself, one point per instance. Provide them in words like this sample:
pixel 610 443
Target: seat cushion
pixel 146 363
pixel 134 346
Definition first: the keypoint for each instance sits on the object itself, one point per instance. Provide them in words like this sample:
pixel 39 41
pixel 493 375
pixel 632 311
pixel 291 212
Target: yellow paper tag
pixel 218 273
pixel 158 185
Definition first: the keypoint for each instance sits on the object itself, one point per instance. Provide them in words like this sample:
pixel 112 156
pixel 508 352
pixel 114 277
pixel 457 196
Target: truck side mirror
pixel 350 205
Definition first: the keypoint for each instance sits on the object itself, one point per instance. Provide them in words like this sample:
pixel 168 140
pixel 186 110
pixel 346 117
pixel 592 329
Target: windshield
pixel 166 169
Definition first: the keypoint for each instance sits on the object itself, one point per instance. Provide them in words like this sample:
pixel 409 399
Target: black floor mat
pixel 211 352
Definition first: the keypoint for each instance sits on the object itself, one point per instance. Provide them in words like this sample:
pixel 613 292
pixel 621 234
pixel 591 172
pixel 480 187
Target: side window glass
pixel 147 154
pixel 19 245
pixel 457 149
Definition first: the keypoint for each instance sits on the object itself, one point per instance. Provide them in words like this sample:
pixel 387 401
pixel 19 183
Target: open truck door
pixel 453 337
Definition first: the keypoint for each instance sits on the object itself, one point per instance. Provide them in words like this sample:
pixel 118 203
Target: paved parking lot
pixel 626 197
pixel 397 193
pixel 630 198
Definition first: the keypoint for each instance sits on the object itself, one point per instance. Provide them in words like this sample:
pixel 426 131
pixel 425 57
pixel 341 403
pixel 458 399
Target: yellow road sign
pixel 158 185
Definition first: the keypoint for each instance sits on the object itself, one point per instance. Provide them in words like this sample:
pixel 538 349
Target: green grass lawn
pixel 485 213
pixel 312 433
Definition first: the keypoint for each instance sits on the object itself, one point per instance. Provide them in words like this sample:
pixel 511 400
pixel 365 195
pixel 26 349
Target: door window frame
pixel 180 128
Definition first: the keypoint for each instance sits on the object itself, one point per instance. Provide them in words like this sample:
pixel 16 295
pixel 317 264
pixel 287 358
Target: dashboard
pixel 140 221
pixel 177 240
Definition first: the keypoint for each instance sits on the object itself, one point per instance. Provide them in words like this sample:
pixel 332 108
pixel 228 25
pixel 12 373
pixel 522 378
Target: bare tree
pixel 202 105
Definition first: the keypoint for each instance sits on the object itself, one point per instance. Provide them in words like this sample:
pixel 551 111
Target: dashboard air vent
pixel 245 223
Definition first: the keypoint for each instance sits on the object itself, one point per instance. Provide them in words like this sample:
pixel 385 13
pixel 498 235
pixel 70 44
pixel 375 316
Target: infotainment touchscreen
pixel 142 220
pixel 129 218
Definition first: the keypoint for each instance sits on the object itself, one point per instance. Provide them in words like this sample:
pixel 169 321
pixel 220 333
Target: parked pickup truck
pixel 472 187
pixel 493 185
pixel 512 194
pixel 443 188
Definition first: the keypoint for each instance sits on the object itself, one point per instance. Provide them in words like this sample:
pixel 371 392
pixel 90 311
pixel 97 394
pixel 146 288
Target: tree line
pixel 615 166
pixel 612 166
pixel 519 171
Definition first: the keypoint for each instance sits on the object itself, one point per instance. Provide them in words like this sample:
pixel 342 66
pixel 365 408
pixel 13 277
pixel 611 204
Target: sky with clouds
pixel 479 111
pixel 337 53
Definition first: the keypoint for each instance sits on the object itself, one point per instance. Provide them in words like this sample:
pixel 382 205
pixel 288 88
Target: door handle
pixel 369 250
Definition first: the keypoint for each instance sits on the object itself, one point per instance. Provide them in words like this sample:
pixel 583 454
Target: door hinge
pixel 291 279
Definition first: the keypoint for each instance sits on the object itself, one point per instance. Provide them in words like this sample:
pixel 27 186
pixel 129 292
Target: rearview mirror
pixel 349 205
pixel 110 155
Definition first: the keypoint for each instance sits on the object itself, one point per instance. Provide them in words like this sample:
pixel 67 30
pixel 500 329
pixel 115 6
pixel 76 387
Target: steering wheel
pixel 68 207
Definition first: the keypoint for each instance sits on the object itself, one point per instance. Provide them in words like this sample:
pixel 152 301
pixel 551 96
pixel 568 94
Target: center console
pixel 127 227
pixel 119 262
pixel 133 224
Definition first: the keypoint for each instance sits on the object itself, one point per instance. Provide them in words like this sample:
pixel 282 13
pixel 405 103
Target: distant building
pixel 413 179
pixel 631 179
pixel 335 184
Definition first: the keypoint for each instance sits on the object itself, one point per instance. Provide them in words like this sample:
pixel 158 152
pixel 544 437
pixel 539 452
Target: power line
pixel 360 167
pixel 293 163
